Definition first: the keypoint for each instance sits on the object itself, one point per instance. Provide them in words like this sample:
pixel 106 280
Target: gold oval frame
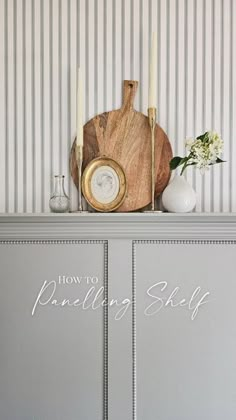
pixel 86 184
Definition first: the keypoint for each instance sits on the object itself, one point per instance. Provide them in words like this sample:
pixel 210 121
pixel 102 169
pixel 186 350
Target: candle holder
pixel 152 124
pixel 79 160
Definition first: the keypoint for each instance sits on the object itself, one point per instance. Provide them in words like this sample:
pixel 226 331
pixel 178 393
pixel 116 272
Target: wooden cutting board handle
pixel 129 91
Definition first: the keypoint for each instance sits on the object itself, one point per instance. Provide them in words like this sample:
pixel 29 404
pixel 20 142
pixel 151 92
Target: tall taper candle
pixel 152 97
pixel 79 111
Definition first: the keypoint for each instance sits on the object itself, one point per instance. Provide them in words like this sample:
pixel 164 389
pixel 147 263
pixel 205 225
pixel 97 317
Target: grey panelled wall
pixel 43 41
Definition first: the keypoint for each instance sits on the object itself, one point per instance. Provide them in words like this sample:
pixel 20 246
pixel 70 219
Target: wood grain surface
pixel 124 135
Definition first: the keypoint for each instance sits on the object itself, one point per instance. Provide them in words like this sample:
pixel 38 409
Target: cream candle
pixel 152 98
pixel 79 111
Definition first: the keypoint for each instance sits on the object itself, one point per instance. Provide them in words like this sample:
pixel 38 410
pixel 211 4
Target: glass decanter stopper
pixel 59 201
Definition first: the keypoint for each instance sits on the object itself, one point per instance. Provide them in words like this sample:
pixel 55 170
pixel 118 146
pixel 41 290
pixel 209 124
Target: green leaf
pixel 203 137
pixel 175 162
pixel 218 160
pixel 178 161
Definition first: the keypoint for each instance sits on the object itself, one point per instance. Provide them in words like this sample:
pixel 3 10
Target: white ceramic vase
pixel 179 196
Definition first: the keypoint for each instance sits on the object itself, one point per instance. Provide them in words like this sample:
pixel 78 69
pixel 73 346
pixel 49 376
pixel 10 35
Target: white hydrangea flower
pixel 206 150
pixel 188 143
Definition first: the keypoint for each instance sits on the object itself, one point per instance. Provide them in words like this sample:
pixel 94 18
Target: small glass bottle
pixel 59 201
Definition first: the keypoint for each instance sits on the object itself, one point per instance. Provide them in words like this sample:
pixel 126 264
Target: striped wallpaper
pixel 43 41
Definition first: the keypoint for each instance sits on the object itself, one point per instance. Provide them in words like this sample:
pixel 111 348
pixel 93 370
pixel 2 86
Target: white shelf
pixel 134 226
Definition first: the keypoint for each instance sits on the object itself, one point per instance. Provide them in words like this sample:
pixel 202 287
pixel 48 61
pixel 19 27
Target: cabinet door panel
pixel 51 362
pixel 185 347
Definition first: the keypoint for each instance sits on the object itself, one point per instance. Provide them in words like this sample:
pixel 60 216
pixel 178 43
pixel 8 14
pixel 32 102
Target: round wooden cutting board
pixel 124 135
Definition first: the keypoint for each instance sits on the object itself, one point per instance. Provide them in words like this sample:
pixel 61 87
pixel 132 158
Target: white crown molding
pixel 218 226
